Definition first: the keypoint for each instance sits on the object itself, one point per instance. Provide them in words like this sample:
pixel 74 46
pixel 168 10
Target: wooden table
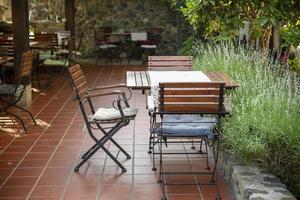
pixel 141 80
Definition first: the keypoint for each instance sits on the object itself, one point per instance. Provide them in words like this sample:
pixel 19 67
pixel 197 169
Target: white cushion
pixel 113 114
pixel 148 46
pixel 107 46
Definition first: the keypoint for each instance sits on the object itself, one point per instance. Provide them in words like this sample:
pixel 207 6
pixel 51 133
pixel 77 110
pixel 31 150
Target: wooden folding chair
pixel 10 94
pixel 189 111
pixel 118 116
pixel 165 63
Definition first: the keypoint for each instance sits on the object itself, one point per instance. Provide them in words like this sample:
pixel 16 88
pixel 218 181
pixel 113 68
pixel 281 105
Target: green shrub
pixel 265 121
pixel 186 48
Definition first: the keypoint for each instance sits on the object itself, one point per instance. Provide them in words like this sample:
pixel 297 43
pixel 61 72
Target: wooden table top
pixel 140 80
pixel 5 59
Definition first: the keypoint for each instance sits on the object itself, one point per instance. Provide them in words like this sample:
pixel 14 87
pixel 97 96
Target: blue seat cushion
pixel 43 55
pixel 186 126
pixel 9 89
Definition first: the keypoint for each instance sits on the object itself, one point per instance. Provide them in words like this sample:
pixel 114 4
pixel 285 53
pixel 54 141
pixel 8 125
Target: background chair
pixel 108 45
pixel 170 63
pixel 165 63
pixel 150 46
pixel 189 111
pixel 10 94
pixel 7 49
pixel 52 45
pixel 118 116
pixel 58 62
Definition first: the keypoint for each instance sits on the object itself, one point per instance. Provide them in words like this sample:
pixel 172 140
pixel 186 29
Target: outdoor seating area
pixel 44 159
pixel 149 100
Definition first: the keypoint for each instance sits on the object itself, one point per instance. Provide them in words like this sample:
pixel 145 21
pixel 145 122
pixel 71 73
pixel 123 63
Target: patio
pixel 39 165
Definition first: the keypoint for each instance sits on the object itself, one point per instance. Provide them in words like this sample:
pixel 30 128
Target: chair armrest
pixel 125 97
pixel 107 87
pixel 115 92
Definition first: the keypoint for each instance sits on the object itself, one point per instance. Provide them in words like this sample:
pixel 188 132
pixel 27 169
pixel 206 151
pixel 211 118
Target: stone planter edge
pixel 248 181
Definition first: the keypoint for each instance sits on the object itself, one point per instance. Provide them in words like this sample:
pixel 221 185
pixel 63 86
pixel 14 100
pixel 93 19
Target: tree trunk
pixel 276 36
pixel 265 38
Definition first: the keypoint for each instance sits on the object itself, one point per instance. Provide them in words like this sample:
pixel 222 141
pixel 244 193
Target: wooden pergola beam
pixel 70 16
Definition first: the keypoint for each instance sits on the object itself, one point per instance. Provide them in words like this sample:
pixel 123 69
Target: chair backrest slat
pixel 204 97
pixel 26 65
pixel 6 47
pixel 170 63
pixel 79 81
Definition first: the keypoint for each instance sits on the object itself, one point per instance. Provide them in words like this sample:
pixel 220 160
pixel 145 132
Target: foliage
pixel 264 125
pixel 294 64
pixel 291 34
pixel 186 48
pixel 222 18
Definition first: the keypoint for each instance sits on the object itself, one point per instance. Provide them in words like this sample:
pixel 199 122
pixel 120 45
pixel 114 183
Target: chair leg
pixel 120 148
pixel 19 118
pixel 27 111
pixel 206 152
pixel 100 144
pixel 160 160
pixel 214 178
pixel 91 153
pixel 193 147
pixel 150 143
pixel 201 144
pixel 153 153
pixel 114 142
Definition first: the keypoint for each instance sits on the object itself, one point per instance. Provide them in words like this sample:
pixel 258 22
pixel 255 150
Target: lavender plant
pixel 265 121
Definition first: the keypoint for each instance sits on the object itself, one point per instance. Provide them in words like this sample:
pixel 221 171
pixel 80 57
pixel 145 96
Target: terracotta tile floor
pixel 39 165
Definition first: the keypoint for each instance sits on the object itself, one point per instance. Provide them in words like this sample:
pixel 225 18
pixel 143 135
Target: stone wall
pixel 121 15
pixel 250 182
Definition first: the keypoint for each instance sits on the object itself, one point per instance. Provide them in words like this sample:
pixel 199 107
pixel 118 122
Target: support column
pixel 70 16
pixel 20 30
pixel 21 39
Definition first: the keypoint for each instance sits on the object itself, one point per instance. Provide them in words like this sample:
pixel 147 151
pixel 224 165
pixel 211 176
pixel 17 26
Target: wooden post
pixel 70 16
pixel 21 39
pixel 20 30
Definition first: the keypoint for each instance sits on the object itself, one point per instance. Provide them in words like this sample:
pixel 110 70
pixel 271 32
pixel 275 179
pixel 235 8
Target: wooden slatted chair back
pixel 79 81
pixel 26 67
pixel 6 47
pixel 50 38
pixel 170 63
pixel 205 97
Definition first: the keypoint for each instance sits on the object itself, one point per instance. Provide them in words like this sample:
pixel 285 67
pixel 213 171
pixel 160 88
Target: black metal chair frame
pixel 15 97
pixel 161 139
pixel 119 104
